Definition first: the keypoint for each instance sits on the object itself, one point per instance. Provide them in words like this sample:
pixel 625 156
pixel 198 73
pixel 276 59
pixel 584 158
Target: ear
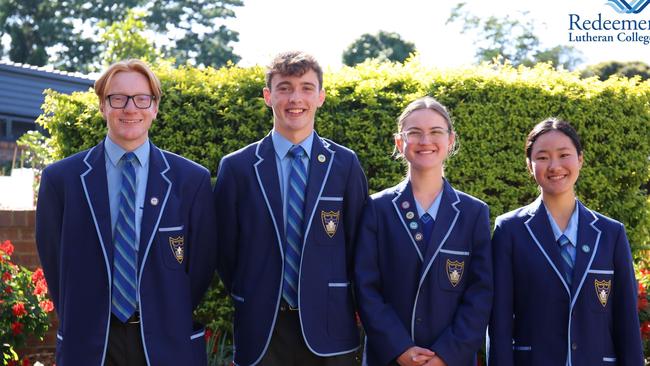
pixel 102 108
pixel 399 143
pixel 154 109
pixel 267 96
pixel 581 159
pixel 529 165
pixel 452 140
pixel 321 97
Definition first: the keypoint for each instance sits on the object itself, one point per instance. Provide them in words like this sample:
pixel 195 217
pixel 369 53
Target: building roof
pixel 22 86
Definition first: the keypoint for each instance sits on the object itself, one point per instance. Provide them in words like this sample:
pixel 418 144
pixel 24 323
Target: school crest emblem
pixel 603 288
pixel 177 247
pixel 330 221
pixel 455 271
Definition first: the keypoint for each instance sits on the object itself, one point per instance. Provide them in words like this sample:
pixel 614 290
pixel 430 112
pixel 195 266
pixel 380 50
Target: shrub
pixel 23 304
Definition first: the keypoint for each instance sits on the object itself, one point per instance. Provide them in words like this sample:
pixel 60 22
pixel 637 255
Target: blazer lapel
pixel 540 230
pixel 444 224
pixel 95 187
pixel 155 200
pixel 404 204
pixel 269 182
pixel 586 247
pixel 320 163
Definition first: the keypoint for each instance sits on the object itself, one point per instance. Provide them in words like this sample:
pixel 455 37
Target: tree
pixel 384 46
pixel 512 39
pixel 126 39
pixel 606 69
pixel 66 33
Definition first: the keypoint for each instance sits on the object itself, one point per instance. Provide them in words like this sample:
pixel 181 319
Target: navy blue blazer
pixel 537 319
pixel 251 246
pixel 438 298
pixel 74 240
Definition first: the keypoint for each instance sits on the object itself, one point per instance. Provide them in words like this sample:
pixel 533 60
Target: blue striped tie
pixel 124 241
pixel 295 206
pixel 567 259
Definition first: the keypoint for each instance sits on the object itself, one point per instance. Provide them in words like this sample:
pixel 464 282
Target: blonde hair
pixel 102 84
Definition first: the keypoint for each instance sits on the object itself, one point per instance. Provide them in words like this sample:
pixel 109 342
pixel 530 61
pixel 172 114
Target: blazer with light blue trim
pixel 409 298
pixel 537 319
pixel 74 240
pixel 251 246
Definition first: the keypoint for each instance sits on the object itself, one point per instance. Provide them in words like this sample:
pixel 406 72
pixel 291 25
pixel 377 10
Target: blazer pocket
pixel 522 355
pixel 598 289
pixel 327 224
pixel 340 315
pixel 453 266
pixel 172 246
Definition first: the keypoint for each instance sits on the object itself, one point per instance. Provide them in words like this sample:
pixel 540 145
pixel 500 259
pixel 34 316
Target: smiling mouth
pixel 295 110
pixel 130 121
pixel 557 177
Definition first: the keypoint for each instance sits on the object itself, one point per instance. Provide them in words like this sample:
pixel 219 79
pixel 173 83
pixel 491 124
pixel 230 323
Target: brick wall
pixel 18 227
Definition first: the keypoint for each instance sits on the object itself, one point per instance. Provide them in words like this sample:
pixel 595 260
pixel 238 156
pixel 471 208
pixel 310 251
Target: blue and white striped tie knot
pixel 567 259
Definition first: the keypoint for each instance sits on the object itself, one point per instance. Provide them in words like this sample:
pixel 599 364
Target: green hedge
pixel 205 114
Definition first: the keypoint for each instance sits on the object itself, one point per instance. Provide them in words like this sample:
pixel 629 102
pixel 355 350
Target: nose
pixel 130 105
pixel 294 96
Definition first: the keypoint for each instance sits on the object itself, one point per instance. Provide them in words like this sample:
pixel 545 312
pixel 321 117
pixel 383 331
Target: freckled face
pixel 555 163
pixel 129 126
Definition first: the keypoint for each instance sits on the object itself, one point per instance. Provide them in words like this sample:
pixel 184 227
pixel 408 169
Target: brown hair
pixel 104 81
pixel 432 104
pixel 293 63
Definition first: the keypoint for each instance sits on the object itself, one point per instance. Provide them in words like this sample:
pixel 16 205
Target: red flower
pixel 17 328
pixel 9 290
pixel 6 276
pixel 642 303
pixel 25 361
pixel 7 247
pixel 208 333
pixel 38 275
pixel 19 309
pixel 40 287
pixel 645 330
pixel 46 305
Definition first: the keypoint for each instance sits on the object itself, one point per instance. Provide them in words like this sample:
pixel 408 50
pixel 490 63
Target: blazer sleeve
pixel 356 195
pixel 627 334
pixel 203 240
pixel 462 339
pixel 387 336
pixel 500 330
pixel 225 201
pixel 49 220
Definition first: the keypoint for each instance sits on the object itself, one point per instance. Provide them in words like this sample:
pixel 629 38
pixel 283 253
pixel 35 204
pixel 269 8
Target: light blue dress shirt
pixel 433 210
pixel 283 163
pixel 113 154
pixel 571 231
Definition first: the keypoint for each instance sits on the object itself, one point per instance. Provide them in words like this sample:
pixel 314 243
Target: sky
pixel 326 28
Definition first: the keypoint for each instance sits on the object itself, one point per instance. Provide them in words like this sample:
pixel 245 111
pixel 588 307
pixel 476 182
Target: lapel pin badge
pixel 418 236
pixel 154 201
pixel 585 248
pixel 321 158
pixel 406 205
pixel 413 225
pixel 410 215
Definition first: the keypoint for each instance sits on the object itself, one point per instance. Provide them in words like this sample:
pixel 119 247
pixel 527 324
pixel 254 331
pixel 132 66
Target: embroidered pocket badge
pixel 603 288
pixel 177 247
pixel 455 271
pixel 330 221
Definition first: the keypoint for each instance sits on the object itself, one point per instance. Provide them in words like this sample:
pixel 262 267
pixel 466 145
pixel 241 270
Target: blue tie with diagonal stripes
pixel 124 255
pixel 295 206
pixel 567 259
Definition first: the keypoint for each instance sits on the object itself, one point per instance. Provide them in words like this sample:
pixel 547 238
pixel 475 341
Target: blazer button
pixel 574 346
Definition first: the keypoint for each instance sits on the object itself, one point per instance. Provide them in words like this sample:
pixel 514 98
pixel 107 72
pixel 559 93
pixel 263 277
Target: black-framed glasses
pixel 141 101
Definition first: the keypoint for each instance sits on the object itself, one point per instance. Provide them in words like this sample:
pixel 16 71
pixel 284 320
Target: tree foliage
pixel 512 39
pixel 68 33
pixel 629 69
pixel 383 46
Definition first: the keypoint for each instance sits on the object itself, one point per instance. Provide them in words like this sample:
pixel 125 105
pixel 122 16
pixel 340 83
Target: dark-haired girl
pixel 423 264
pixel 565 292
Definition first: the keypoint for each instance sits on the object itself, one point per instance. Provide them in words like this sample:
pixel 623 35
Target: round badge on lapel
pixel 413 225
pixel 406 205
pixel 418 236
pixel 585 248
pixel 410 215
pixel 154 201
pixel 321 158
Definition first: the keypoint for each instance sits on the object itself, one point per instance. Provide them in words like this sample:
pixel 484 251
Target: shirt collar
pixel 282 145
pixel 433 210
pixel 571 231
pixel 115 152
